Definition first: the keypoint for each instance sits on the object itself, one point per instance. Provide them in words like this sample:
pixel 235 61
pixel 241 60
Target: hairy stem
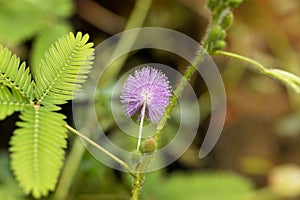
pixel 289 79
pixel 137 186
pixel 184 80
pixel 260 67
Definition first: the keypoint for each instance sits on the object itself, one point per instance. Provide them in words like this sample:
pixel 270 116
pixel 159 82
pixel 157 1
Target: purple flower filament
pixel 147 92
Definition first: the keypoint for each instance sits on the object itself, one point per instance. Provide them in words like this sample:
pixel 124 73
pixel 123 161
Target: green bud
pixel 220 44
pixel 148 146
pixel 215 33
pixel 212 4
pixel 233 3
pixel 227 20
pixel 222 35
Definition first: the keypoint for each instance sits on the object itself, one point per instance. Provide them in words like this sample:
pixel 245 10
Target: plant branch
pixel 177 93
pixel 91 142
pixel 290 80
pixel 259 66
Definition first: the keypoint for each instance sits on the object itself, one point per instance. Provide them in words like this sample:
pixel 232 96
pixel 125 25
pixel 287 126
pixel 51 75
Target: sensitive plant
pixel 37 145
pixel 147 95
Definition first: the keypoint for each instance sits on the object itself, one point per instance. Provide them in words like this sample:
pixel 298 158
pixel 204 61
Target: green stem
pixel 289 79
pixel 260 67
pixel 188 74
pixel 91 142
pixel 137 186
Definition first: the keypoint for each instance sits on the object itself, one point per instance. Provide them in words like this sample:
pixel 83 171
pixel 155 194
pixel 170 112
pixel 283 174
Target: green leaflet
pixel 21 20
pixel 43 41
pixel 37 145
pixel 15 76
pixel 11 101
pixel 65 66
pixel 37 150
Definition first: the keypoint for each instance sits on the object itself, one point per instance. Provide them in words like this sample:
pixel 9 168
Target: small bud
pixel 220 44
pixel 233 3
pixel 227 20
pixel 222 35
pixel 212 4
pixel 215 33
pixel 148 146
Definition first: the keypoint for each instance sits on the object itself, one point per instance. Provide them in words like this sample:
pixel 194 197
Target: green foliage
pixel 44 20
pixel 37 145
pixel 15 76
pixel 11 101
pixel 36 149
pixel 8 186
pixel 288 79
pixel 43 41
pixel 62 69
pixel 21 20
pixel 204 186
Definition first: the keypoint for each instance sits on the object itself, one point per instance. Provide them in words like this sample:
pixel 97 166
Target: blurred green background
pixel 257 155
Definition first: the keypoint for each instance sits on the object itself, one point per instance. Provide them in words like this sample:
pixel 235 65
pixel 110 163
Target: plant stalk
pixel 91 142
pixel 137 186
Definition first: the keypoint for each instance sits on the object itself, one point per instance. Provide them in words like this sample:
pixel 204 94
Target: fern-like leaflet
pixel 11 101
pixel 37 145
pixel 13 75
pixel 62 69
pixel 36 148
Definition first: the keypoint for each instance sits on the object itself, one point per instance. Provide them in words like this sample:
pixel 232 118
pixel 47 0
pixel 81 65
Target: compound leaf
pixel 44 40
pixel 14 75
pixel 37 150
pixel 11 101
pixel 63 68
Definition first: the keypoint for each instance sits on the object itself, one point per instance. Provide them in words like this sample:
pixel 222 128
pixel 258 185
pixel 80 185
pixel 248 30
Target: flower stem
pixel 141 125
pixel 91 142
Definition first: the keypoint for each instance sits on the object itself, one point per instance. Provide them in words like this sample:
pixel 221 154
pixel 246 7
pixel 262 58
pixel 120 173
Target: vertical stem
pixel 141 125
pixel 184 80
pixel 137 186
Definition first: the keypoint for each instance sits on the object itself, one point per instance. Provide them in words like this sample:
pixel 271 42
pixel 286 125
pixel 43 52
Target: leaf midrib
pixel 14 86
pixel 48 89
pixel 36 145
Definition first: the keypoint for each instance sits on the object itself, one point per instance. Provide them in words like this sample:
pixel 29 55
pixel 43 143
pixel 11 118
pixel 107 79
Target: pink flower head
pixel 148 86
